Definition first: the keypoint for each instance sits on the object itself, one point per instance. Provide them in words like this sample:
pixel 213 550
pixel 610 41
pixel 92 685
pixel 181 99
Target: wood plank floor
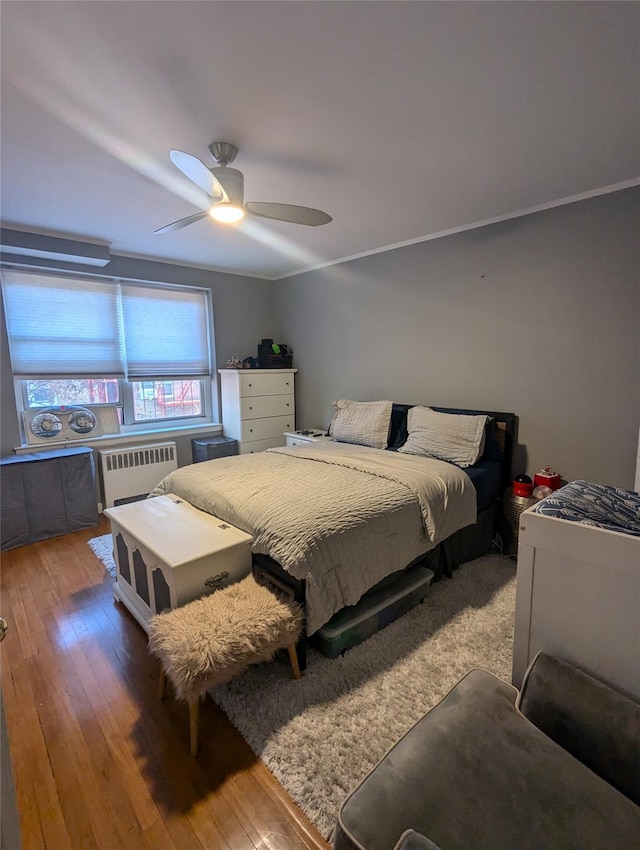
pixel 99 762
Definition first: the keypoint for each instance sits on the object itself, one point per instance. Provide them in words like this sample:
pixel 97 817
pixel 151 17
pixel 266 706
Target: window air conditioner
pixel 66 424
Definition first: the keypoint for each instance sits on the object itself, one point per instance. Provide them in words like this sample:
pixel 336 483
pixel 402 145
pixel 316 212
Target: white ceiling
pixel 400 119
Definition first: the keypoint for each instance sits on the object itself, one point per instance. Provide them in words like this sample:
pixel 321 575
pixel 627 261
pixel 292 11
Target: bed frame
pixel 465 545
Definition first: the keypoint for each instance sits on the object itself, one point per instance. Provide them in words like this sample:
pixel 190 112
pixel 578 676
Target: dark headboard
pixel 500 433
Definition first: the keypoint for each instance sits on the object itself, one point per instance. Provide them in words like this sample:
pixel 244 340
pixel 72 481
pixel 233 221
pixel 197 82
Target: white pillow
pixel 454 437
pixel 365 423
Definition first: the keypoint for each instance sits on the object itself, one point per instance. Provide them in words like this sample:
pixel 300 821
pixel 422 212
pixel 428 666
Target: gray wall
pixel 243 314
pixel 537 315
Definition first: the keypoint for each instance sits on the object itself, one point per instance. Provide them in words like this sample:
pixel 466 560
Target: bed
pixel 331 522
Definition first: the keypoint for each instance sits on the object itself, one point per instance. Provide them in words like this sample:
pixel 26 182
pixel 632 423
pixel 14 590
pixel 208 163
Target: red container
pixel 546 478
pixel 522 486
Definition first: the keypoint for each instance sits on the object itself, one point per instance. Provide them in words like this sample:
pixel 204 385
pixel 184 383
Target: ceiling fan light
pixel 226 213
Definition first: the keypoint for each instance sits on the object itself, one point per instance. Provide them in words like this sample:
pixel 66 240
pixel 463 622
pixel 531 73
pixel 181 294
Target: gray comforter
pixel 342 517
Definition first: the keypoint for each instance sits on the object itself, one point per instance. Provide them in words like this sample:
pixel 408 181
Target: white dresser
pixel 258 406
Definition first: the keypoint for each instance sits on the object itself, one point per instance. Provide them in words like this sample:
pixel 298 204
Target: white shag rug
pixel 321 734
pixel 102 548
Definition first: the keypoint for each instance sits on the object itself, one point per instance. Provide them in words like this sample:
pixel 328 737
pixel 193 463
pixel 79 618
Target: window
pixel 154 400
pixel 77 340
pixel 46 392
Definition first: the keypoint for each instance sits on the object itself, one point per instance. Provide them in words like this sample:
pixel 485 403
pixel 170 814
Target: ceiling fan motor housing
pixel 232 181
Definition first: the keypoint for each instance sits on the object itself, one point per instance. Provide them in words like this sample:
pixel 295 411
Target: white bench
pixel 169 553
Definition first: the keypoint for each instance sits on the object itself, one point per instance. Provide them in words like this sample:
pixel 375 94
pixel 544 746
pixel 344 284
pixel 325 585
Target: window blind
pixel 63 327
pixel 81 327
pixel 166 332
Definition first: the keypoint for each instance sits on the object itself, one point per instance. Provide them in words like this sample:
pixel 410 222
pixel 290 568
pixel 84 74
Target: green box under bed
pixel 373 612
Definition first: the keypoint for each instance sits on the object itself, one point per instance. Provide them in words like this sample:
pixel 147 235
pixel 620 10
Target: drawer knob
pixel 251 430
pixel 250 385
pixel 288 404
pixel 250 408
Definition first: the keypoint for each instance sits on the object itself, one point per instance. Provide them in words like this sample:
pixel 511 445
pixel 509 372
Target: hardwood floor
pixel 98 760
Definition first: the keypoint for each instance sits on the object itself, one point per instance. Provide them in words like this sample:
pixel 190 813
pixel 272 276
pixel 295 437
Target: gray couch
pixel 554 767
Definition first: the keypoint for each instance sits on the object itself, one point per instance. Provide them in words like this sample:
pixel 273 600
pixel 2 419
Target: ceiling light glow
pixel 226 213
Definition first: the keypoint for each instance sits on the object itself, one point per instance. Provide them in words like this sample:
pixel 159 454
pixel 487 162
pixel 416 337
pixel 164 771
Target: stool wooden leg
pixel 293 658
pixel 193 725
pixel 162 685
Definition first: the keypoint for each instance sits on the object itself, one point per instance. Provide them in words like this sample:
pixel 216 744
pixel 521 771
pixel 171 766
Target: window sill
pixel 128 437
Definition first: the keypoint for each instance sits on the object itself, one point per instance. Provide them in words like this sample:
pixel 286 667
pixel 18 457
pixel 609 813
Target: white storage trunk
pixel 168 553
pixel 578 597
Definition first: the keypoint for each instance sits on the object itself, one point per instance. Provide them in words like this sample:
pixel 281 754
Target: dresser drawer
pixel 294 441
pixel 257 407
pixel 272 384
pixel 263 429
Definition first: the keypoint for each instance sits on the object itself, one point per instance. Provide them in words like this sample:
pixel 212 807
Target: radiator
pixel 130 474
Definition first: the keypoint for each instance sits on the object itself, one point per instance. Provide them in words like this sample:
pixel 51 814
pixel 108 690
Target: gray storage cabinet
pixel 45 494
pixel 209 448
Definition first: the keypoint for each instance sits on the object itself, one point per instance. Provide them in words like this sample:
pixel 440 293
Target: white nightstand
pixel 315 435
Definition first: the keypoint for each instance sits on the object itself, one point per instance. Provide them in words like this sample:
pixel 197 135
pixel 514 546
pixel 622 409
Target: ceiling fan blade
pixel 197 171
pixel 182 222
pixel 289 212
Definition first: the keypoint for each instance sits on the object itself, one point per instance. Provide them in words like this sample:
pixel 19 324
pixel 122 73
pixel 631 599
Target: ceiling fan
pixel 225 189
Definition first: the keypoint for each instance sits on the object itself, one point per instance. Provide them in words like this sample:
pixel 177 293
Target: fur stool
pixel 210 640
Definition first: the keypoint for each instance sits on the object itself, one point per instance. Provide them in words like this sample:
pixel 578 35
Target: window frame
pixel 128 416
pixel 126 403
